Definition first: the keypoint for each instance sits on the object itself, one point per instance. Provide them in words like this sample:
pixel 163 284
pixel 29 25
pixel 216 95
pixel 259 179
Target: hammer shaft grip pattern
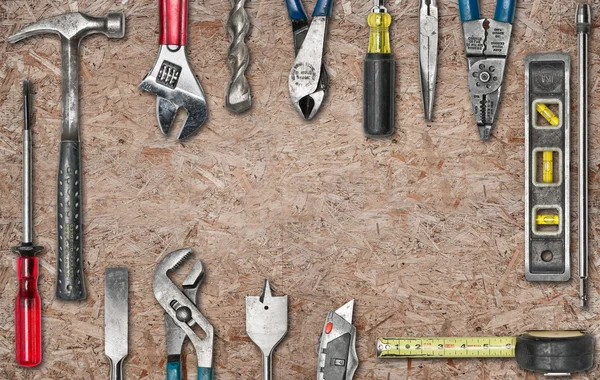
pixel 173 16
pixel 70 283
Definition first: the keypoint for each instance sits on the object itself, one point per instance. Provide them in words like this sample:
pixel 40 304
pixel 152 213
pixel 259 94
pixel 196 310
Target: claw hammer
pixel 72 28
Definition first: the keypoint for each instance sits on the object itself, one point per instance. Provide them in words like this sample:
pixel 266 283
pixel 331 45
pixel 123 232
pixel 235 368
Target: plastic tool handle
pixel 205 373
pixel 174 370
pixel 469 10
pixel 173 16
pixel 296 10
pixel 379 94
pixel 505 11
pixel 28 314
pixel 323 8
pixel 70 283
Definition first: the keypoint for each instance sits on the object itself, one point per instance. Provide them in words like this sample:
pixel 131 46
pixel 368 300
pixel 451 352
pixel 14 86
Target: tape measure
pixel 549 352
pixel 480 347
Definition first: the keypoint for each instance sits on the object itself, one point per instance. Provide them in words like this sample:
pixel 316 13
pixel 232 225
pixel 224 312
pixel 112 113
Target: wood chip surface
pixel 424 230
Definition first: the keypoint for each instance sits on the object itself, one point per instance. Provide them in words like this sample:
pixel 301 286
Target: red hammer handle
pixel 173 16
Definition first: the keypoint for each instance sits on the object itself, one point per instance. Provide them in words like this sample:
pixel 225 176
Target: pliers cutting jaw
pixel 181 315
pixel 428 53
pixel 308 80
pixel 486 48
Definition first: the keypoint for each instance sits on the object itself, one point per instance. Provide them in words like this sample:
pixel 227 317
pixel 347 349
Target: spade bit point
pixel 266 324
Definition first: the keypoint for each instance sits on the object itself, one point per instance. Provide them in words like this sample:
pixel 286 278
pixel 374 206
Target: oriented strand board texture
pixel 424 230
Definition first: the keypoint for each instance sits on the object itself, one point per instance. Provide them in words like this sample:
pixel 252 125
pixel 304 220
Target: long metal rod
pixel 27 163
pixel 583 25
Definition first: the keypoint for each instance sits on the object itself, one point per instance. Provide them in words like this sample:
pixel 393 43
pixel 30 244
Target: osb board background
pixel 424 230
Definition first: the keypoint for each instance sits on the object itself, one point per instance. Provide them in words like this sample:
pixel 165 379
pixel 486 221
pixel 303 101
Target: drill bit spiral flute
pixel 238 97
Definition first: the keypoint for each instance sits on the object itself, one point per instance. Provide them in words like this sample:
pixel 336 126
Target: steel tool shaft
pixel 72 28
pixel 583 21
pixel 238 97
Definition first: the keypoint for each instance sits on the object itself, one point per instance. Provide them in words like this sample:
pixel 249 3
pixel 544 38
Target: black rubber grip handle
pixel 70 284
pixel 379 94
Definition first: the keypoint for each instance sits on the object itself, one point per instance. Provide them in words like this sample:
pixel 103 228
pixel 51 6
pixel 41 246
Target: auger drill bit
pixel 238 98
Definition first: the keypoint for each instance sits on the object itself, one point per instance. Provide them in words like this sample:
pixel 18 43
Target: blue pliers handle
pixel 174 372
pixel 505 10
pixel 296 10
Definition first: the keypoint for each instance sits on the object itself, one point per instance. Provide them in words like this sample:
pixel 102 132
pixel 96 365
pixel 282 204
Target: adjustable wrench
pixel 171 78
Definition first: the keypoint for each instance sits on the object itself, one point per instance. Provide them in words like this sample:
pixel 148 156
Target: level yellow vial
pixel 547 164
pixel 547 219
pixel 547 114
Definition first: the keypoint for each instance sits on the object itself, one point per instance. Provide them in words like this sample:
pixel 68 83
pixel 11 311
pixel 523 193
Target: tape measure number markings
pixel 446 347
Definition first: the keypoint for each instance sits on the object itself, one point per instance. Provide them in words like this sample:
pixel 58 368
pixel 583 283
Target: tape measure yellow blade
pixel 470 347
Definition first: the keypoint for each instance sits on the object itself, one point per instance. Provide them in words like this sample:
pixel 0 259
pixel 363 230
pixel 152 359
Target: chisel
pixel 115 319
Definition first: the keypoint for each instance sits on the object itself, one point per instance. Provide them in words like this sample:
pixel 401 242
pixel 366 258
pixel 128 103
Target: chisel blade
pixel 116 287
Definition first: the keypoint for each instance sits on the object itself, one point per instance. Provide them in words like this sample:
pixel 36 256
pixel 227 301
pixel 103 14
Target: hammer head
pixel 72 26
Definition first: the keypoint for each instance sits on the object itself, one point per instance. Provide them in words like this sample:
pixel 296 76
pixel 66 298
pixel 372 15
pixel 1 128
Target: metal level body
pixel 547 250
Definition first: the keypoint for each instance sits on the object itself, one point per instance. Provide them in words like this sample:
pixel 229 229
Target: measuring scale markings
pixel 446 347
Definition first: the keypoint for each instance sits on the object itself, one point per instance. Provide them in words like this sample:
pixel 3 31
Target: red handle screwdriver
pixel 28 305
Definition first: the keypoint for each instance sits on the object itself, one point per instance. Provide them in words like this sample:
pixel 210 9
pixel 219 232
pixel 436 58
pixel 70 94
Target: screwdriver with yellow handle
pixel 379 75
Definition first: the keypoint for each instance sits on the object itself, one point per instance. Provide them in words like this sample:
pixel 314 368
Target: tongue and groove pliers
pixel 182 315
pixel 486 48
pixel 308 79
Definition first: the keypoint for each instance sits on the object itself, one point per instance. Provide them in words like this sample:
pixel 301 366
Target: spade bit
pixel 171 78
pixel 266 324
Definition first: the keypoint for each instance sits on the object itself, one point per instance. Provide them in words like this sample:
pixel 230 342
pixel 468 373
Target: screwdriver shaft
pixel 27 162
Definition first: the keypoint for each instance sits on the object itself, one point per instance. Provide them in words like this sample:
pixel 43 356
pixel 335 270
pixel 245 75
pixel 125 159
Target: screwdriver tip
pixel 26 104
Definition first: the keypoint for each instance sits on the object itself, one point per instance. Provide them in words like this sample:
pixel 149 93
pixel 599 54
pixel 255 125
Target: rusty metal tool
pixel 238 97
pixel 116 310
pixel 428 53
pixel 266 324
pixel 547 163
pixel 182 315
pixel 308 80
pixel 72 28
pixel 486 47
pixel 171 78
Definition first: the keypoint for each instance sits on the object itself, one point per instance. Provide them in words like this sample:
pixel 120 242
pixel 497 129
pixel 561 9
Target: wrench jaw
pixel 181 306
pixel 173 82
